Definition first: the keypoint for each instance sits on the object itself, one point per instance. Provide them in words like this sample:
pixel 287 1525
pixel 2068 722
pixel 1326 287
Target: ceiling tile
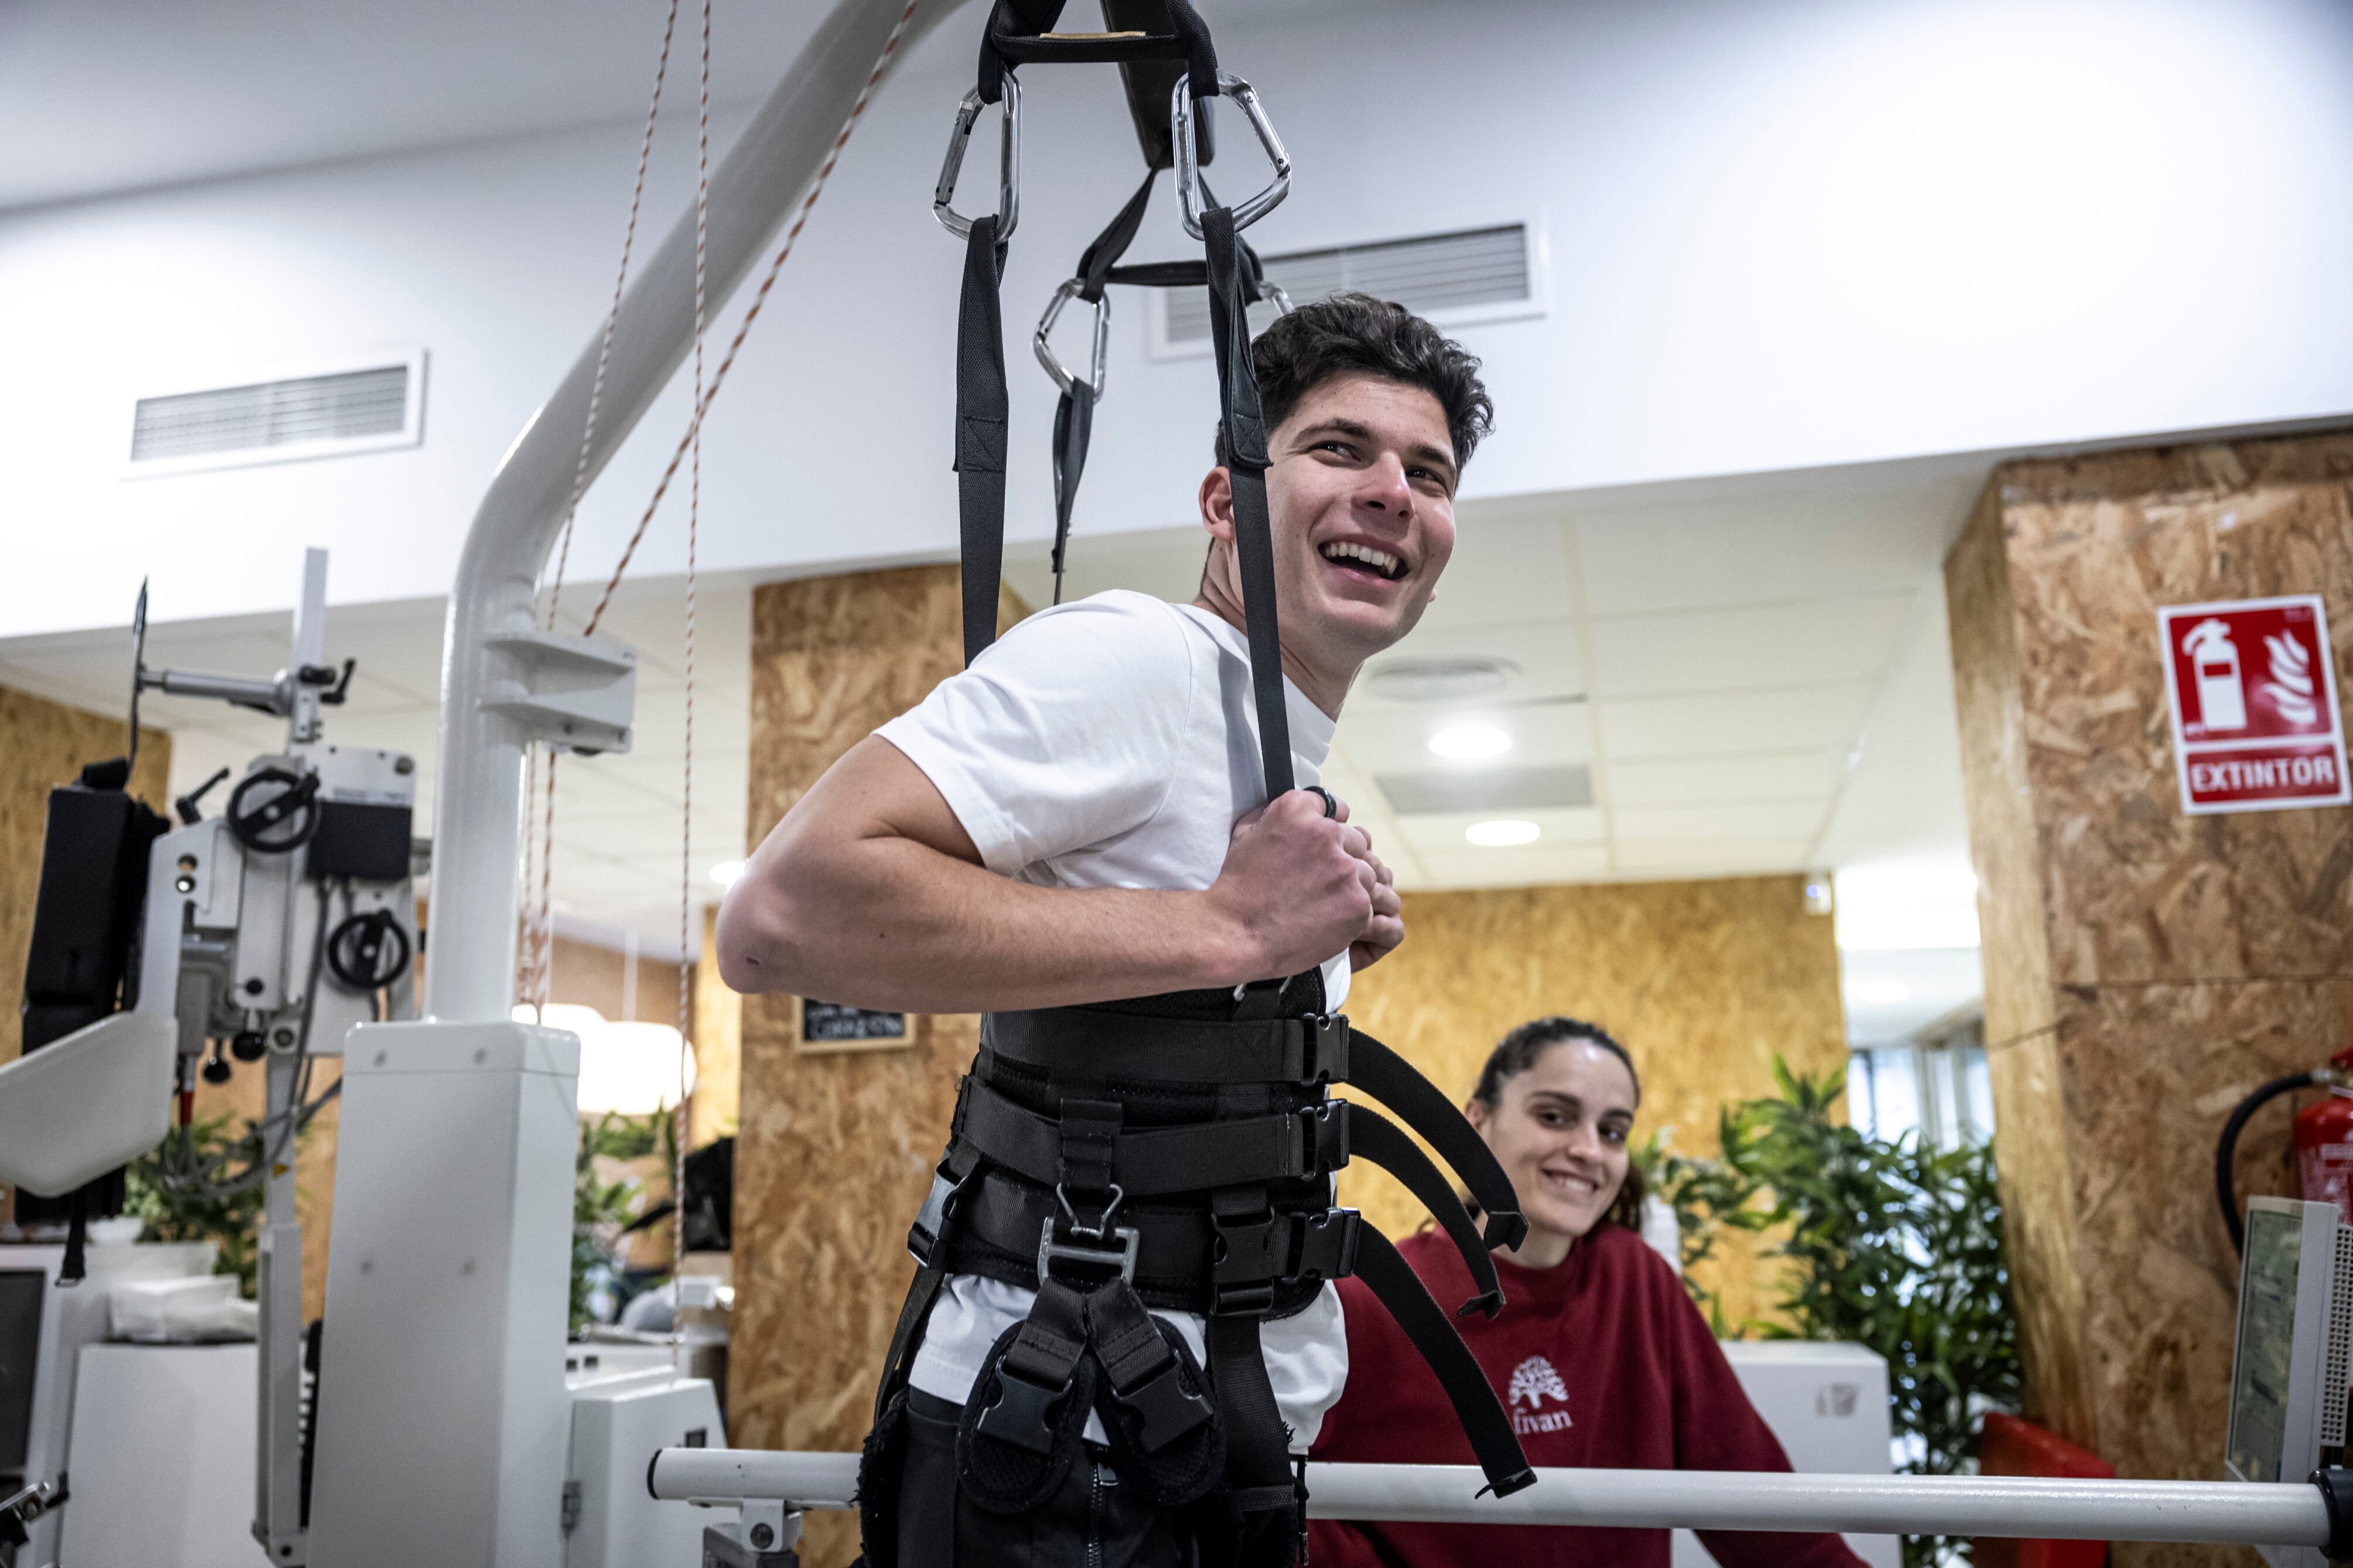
pixel 1387 740
pixel 1544 651
pixel 1775 818
pixel 1711 856
pixel 1791 776
pixel 1503 571
pixel 1788 538
pixel 1723 723
pixel 1533 866
pixel 1814 643
pixel 1441 833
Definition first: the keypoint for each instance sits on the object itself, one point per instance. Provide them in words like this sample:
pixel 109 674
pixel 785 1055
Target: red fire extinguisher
pixel 2324 1139
pixel 2324 1142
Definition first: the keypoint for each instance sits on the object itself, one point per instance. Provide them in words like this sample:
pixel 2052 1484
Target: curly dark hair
pixel 1519 1050
pixel 1345 332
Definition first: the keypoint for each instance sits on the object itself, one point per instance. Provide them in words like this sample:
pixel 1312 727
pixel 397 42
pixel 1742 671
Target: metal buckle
pixel 1191 199
pixel 1046 356
pixel 1094 1253
pixel 1009 159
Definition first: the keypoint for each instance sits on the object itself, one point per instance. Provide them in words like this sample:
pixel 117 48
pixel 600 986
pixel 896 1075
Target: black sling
pixel 1173 1153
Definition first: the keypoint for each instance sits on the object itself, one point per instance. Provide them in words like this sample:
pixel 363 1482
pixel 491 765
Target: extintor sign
pixel 2252 687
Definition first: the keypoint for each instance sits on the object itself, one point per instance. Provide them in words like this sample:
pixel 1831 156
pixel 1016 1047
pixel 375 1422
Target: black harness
pixel 1173 1151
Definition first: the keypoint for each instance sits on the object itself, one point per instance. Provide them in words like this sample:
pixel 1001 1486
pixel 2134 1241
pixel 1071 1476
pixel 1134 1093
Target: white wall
pixel 1782 233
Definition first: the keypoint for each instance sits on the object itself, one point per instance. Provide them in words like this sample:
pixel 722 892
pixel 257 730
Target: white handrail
pixel 2222 1512
pixel 470 975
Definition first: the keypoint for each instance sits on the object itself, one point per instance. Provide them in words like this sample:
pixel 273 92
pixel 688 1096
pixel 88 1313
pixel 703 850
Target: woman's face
pixel 1560 1134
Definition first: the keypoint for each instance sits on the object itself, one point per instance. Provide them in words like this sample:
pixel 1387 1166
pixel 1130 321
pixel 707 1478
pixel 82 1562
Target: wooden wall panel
pixel 718 1047
pixel 834 1152
pixel 1703 982
pixel 2143 969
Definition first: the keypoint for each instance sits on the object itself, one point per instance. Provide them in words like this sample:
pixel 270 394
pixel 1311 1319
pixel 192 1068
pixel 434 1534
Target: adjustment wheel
pixel 272 811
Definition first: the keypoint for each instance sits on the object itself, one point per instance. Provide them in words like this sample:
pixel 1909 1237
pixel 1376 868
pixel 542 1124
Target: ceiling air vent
pixel 1470 275
pixel 1487 789
pixel 365 407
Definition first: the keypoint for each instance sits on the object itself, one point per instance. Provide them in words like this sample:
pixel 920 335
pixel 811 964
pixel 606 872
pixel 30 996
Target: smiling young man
pixel 1070 834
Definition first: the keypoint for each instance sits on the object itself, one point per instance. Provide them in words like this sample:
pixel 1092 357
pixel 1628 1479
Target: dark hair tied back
pixel 1519 1050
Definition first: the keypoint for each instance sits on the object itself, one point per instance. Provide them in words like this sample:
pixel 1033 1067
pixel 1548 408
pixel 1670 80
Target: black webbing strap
pixel 1018 33
pixel 1141 1047
pixel 1142 1370
pixel 1147 1161
pixel 912 1313
pixel 1374 1138
pixel 1036 1372
pixel 1244 428
pixel 1399 1291
pixel 1074 414
pixel 1258 1443
pixel 983 411
pixel 1392 1079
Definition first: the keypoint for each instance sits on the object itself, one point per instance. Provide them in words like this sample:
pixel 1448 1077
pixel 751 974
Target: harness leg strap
pixel 1374 1138
pixel 983 413
pixel 1392 1079
pixel 1402 1294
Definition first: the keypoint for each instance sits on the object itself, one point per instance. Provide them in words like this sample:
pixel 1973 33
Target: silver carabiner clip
pixel 1281 296
pixel 1042 343
pixel 1009 160
pixel 1191 197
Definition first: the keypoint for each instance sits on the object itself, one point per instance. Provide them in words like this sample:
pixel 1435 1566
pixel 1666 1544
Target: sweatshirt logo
pixel 1533 1381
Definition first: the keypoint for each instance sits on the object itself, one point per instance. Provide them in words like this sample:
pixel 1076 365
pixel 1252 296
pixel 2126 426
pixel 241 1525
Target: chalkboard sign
pixel 826 1024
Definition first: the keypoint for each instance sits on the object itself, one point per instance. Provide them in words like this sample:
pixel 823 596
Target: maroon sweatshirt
pixel 1603 1363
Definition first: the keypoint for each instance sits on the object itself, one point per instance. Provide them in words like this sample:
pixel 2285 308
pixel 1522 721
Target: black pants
pixel 1094 1521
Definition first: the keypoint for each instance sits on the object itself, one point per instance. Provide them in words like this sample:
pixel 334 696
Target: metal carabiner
pixel 1281 296
pixel 1009 160
pixel 1042 343
pixel 1189 196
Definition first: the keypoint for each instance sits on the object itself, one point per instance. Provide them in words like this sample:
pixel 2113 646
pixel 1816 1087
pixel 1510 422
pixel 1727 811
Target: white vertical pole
pixel 477 805
pixel 310 648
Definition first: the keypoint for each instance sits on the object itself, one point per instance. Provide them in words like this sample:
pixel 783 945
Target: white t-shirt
pixel 1111 744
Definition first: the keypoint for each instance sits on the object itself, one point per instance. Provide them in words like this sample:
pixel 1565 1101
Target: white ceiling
pixel 101 96
pixel 1739 663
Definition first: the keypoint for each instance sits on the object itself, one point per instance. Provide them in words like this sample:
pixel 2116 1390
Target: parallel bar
pixel 2221 1512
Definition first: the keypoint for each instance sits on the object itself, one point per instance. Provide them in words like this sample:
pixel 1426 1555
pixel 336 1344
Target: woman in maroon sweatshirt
pixel 1599 1355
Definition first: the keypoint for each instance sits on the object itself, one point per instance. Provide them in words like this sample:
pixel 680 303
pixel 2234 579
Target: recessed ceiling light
pixel 1883 993
pixel 1502 835
pixel 1459 680
pixel 726 872
pixel 1469 742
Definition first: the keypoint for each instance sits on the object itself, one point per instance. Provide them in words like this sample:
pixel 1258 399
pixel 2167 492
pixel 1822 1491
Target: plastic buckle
pixel 1121 1253
pixel 923 1237
pixel 1101 359
pixel 1022 1414
pixel 1009 160
pixel 1323 1138
pixel 1191 198
pixel 1327 1245
pixel 1323 1049
pixel 1168 1411
pixel 1245 1262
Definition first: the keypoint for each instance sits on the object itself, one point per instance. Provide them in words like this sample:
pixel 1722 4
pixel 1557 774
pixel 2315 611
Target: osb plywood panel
pixel 2031 1143
pixel 2139 892
pixel 1703 982
pixel 834 1152
pixel 2182 961
pixel 713 1110
pixel 44 744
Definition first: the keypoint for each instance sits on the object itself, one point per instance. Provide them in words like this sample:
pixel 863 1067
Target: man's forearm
pixel 884 921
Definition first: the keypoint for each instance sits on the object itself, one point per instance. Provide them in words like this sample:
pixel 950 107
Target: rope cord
pixel 533 962
pixel 686 786
pixel 759 299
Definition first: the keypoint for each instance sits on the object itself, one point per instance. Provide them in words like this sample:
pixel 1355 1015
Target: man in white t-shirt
pixel 1076 819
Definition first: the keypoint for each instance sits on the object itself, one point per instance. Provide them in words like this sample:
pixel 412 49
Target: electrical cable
pixel 2227 1146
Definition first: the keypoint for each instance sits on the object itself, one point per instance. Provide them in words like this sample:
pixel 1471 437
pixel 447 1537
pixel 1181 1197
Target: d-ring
pixel 1191 197
pixel 1008 164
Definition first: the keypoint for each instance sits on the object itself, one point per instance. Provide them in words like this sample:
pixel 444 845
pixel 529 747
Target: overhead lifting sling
pixel 1172 1151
